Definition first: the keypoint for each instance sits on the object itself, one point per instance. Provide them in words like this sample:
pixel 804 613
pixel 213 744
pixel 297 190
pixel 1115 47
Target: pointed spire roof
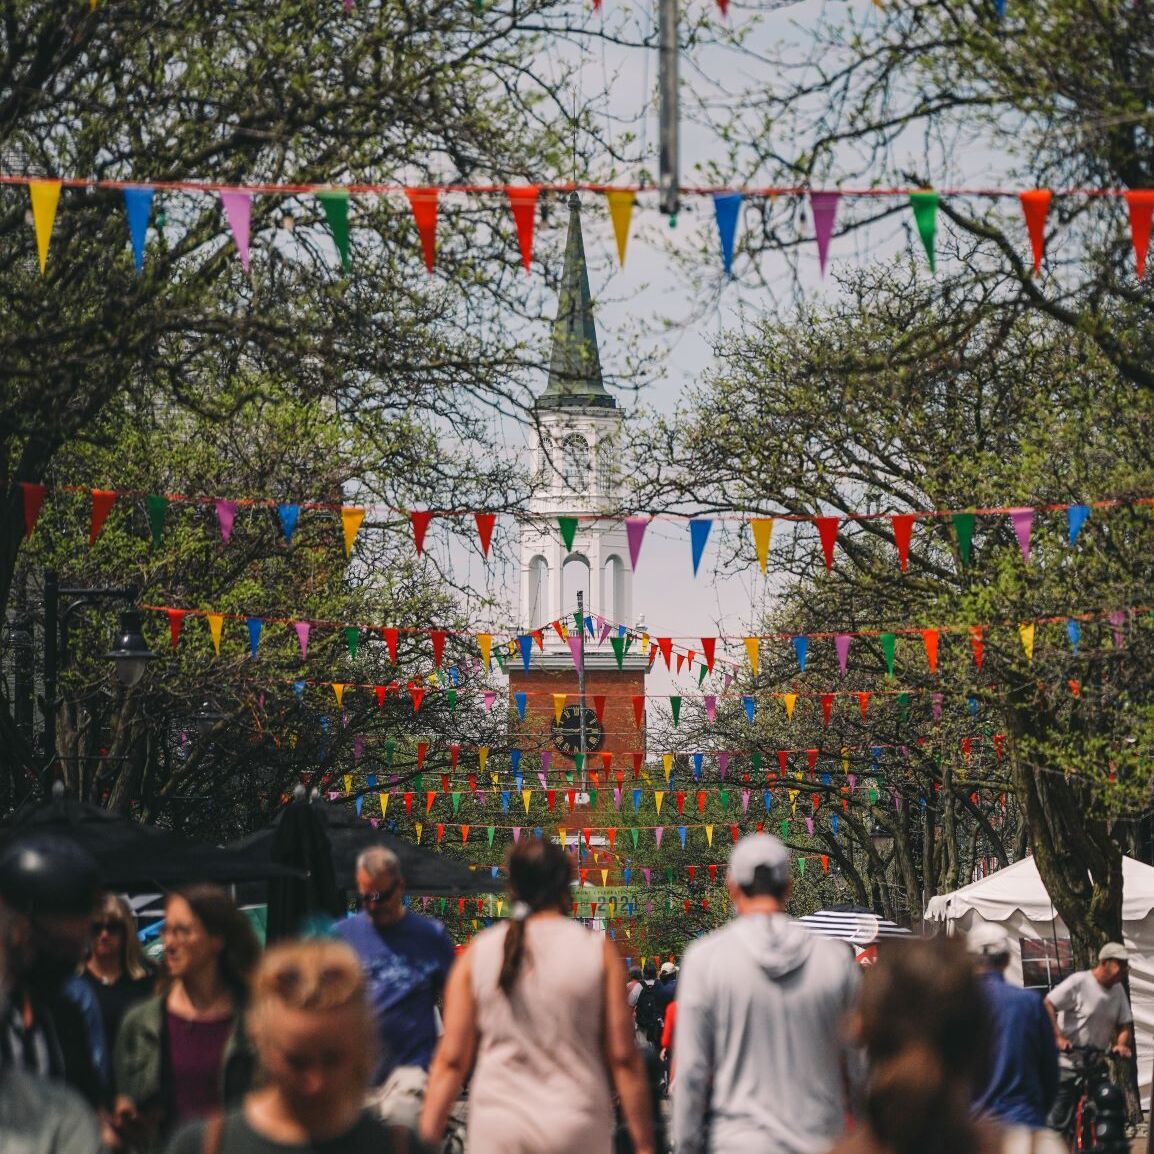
pixel 575 367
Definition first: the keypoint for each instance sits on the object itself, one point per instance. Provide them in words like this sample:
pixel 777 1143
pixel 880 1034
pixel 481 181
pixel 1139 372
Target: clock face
pixel 567 731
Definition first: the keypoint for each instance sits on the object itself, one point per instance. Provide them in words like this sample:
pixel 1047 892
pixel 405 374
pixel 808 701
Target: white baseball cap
pixel 758 849
pixel 667 968
pixel 987 941
pixel 1113 951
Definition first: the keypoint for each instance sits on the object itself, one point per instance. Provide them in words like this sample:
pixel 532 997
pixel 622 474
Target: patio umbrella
pixel 300 840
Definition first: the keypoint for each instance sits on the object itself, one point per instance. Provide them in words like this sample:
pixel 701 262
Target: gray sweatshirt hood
pixel 775 942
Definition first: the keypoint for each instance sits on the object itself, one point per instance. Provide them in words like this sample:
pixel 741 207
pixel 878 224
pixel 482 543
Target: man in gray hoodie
pixel 762 1059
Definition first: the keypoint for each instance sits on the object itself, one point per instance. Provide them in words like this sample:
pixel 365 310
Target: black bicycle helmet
pixel 48 874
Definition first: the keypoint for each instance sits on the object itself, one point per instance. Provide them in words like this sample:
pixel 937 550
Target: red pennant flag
pixel 976 644
pixel 783 761
pixel 391 636
pixel 438 637
pixel 967 745
pixel 102 502
pixel 587 834
pixel 539 637
pixel 999 738
pixel 680 662
pixel 33 499
pixel 571 798
pixel 454 755
pixel 422 750
pixel 417 693
pixel 827 529
pixel 827 707
pixel 701 801
pixel 930 640
pixel 175 624
pixel 379 690
pixel 559 629
pixel 524 203
pixel 665 644
pixel 472 783
pixel 639 710
pixel 1075 687
pixel 551 798
pixel 444 783
pixel 734 833
pixel 611 834
pixel 1140 203
pixel 811 757
pixel 607 764
pixel 863 700
pixel 637 760
pixel 708 645
pixel 420 519
pixel 485 523
pixel 1036 207
pixel 599 709
pixel 430 800
pixel 423 202
pixel 681 801
pixel 440 831
pixel 903 526
pixel 408 803
pixel 724 6
pixel 825 863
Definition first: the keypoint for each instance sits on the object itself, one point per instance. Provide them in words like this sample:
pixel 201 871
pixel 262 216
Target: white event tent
pixel 1015 899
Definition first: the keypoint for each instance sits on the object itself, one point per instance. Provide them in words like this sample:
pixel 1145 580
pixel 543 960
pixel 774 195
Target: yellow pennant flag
pixel 844 760
pixel 658 798
pixel 348 783
pixel 753 649
pixel 351 519
pixel 621 213
pixel 709 834
pixel 604 877
pixel 419 827
pixel 45 196
pixel 384 804
pixel 564 834
pixel 790 700
pixel 667 760
pixel 558 705
pixel 500 906
pixel 762 528
pixel 483 757
pixel 485 641
pixel 1026 633
pixel 215 625
pixel 526 797
pixel 338 693
pixel 612 908
pixel 793 800
pixel 493 778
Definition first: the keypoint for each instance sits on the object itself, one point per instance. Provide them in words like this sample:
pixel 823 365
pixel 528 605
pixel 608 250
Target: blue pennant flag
pixel 747 702
pixel 515 761
pixel 876 754
pixel 299 689
pixel 521 700
pixel 801 648
pixel 636 800
pixel 681 831
pixel 833 823
pixel 726 206
pixel 697 766
pixel 698 535
pixel 138 205
pixel 1076 517
pixel 289 516
pixel 628 874
pixel 972 701
pixel 254 628
pixel 537 832
pixel 526 643
pixel 359 803
pixel 504 801
pixel 455 675
pixel 1074 632
pixel 371 780
pixel 825 779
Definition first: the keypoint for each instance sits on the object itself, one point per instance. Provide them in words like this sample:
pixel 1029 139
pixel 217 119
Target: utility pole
pixel 581 696
pixel 669 113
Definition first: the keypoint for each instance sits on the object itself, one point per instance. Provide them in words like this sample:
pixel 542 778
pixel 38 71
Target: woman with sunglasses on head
pixel 316 1043
pixel 115 970
pixel 184 1054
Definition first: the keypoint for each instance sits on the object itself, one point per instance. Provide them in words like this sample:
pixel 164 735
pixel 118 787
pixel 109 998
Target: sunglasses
pixel 98 928
pixel 375 897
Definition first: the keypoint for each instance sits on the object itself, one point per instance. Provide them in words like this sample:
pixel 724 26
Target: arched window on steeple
pixel 575 463
pixel 538 600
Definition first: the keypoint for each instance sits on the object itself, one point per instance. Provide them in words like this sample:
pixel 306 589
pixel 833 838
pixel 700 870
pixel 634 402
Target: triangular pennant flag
pixel 352 640
pixel 45 196
pixel 523 201
pixel 726 206
pixel 620 212
pixel 665 645
pixel 827 708
pixel 930 639
pixel 157 507
pixel 1023 522
pixel 339 693
pixel 698 534
pixel 711 707
pixel 709 648
pixel 639 709
pixel 226 517
pixel 599 712
pixel 1074 633
pixel 416 695
pixel 437 636
pixel 568 528
pixel 827 529
pixel 925 206
pixel 841 644
pixel 823 205
pixel 753 652
pixel 618 644
pixel 801 650
pixel 255 624
pixel 558 706
pixel 351 519
pixel 485 524
pixel 102 502
pixel 525 642
pixel 863 701
pixel 903 527
pixel 888 644
pixel 420 518
pixel 238 212
pixel 964 530
pixel 335 202
pixel 1026 633
pixel 289 517
pixel 658 798
pixel 790 700
pixel 302 631
pixel 635 533
pixel 175 625
pixel 675 709
pixel 485 643
pixel 391 637
pixel 423 202
pixel 1076 517
pixel 1035 208
pixel 215 625
pixel 521 700
pixel 1140 205
pixel 747 703
pixel 762 529
pixel 976 644
pixel 138 206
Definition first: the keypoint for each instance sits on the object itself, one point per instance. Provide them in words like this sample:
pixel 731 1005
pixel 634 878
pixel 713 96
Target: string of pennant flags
pixel 352 517
pixel 236 202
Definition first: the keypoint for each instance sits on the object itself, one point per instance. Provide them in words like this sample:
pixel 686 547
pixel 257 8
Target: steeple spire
pixel 575 367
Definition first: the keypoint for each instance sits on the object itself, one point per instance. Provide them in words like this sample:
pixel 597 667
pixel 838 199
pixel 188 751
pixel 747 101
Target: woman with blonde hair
pixel 315 1038
pixel 115 969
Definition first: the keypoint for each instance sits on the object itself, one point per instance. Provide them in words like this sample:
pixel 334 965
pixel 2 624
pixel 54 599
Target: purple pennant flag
pixel 658 834
pixel 606 629
pixel 238 213
pixel 616 798
pixel 635 533
pixel 1023 522
pixel 575 650
pixel 852 779
pixel 1118 619
pixel 490 697
pixel 936 703
pixel 841 644
pixel 302 632
pixel 824 208
pixel 745 801
pixel 723 764
pixel 226 515
pixel 546 759
pixel 648 875
pixel 711 706
pixel 809 826
pixel 648 908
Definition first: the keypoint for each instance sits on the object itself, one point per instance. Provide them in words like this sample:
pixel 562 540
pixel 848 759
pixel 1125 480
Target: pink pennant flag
pixel 841 644
pixel 516 834
pixel 711 706
pixel 302 632
pixel 722 764
pixel 809 826
pixel 824 207
pixel 658 834
pixel 648 875
pixel 745 801
pixel 635 532
pixel 575 649
pixel 1118 619
pixel 1023 522
pixel 490 698
pixel 238 213
pixel 226 515
pixel 936 704
pixel 604 631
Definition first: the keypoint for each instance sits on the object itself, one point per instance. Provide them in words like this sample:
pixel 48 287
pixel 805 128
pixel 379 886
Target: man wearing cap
pixel 760 1035
pixel 1023 1074
pixel 1090 1008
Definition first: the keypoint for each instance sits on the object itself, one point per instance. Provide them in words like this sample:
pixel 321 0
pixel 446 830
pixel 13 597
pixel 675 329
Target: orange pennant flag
pixel 351 519
pixel 1036 207
pixel 558 706
pixel 102 502
pixel 485 641
pixel 930 640
pixel 790 700
pixel 753 650
pixel 762 529
pixel 423 202
pixel 338 693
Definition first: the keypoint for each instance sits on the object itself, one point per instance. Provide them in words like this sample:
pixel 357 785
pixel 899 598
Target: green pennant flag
pixel 592 799
pixel 569 778
pixel 157 511
pixel 456 802
pixel 635 833
pixel 568 527
pixel 444 905
pixel 701 675
pixel 390 749
pixel 618 644
pixel 964 529
pixel 904 706
pixel 925 206
pixel 578 624
pixel 755 761
pixel 578 763
pixel 418 783
pixel 801 866
pixel 335 202
pixel 888 641
pixel 723 797
pixel 873 795
pixel 500 659
pixel 675 706
pixel 785 828
pixel 489 832
pixel 352 640
pixel 451 696
pixel 669 874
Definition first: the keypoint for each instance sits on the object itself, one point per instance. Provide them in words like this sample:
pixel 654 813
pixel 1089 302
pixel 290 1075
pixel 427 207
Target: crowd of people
pixel 767 1038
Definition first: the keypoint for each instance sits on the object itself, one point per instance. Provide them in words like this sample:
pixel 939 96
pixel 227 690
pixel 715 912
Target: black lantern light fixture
pixel 129 650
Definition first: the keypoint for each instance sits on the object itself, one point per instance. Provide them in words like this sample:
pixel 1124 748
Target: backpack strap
pixel 213 1134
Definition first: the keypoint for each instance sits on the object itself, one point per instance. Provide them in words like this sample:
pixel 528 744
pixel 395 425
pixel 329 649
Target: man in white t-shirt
pixel 1090 1008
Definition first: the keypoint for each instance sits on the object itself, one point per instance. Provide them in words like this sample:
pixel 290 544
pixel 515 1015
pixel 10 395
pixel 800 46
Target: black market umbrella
pixel 426 872
pixel 132 855
pixel 300 840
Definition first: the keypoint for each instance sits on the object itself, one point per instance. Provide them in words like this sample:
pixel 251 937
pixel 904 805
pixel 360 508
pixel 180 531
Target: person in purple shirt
pixel 1023 1066
pixel 406 959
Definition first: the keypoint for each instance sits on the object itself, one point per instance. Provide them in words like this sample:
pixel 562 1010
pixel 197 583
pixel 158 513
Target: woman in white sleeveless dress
pixel 536 1010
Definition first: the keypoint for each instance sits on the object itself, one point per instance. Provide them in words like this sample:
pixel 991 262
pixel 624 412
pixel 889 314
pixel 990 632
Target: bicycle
pixel 1097 1124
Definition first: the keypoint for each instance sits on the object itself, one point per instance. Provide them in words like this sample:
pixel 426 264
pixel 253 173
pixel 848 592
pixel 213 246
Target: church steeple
pixel 575 367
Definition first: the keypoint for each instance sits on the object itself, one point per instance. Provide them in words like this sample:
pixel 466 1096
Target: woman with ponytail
pixel 536 1010
pixel 923 1023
